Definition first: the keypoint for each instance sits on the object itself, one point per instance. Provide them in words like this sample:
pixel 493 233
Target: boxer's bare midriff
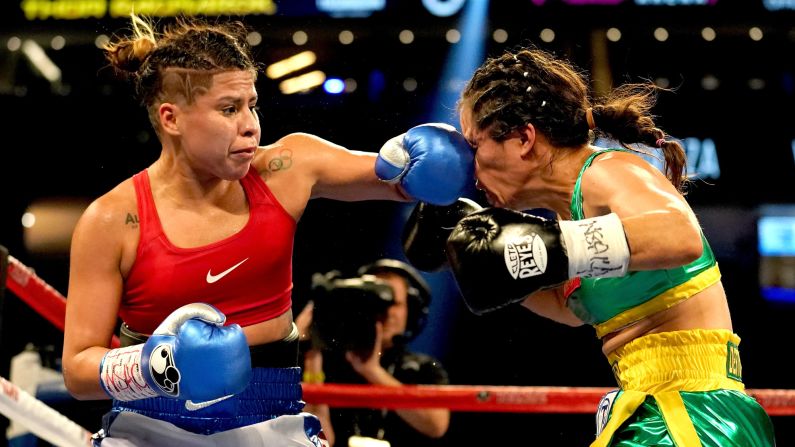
pixel 269 331
pixel 705 310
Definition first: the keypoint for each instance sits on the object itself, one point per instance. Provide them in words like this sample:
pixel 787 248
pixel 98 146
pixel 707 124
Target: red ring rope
pixel 40 296
pixel 510 399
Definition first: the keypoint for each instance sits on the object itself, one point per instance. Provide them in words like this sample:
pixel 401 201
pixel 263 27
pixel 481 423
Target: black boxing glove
pixel 500 256
pixel 427 229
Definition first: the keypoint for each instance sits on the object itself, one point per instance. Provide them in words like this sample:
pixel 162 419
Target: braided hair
pixel 532 86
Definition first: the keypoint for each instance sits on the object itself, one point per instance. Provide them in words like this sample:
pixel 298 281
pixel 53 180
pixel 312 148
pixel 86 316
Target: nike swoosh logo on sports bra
pixel 193 406
pixel 213 278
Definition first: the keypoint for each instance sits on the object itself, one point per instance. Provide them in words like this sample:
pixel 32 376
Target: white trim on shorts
pixel 132 429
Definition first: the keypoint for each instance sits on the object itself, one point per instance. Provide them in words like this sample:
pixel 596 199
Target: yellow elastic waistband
pixel 695 360
pixel 664 364
pixel 663 301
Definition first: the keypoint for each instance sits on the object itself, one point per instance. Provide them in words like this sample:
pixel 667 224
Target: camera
pixel 346 310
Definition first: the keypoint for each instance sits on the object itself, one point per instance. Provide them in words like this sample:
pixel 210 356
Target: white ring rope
pixel 43 421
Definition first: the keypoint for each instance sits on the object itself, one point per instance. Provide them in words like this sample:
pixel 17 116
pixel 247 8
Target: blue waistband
pixel 272 392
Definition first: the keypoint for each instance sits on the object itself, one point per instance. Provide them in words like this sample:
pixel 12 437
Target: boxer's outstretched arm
pixel 325 170
pixel 430 162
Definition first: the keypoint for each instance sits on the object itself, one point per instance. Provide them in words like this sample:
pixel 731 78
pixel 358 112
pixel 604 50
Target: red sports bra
pixel 247 276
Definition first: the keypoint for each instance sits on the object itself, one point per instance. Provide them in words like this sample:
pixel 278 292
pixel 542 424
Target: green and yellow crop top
pixel 610 304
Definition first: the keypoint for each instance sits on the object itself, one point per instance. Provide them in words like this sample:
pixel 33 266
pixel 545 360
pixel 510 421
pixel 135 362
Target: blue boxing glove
pixel 190 356
pixel 432 162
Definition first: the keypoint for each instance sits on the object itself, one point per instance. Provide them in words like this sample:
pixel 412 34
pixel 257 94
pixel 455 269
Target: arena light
pixel 756 84
pixel 14 43
pixel 409 84
pixel 453 36
pixel 300 38
pixel 101 41
pixel 792 146
pixel 40 61
pixel 710 82
pixel 778 5
pixel 351 85
pixel 350 8
pixel 334 86
pixel 406 36
pixel 293 63
pixel 48 224
pixel 346 37
pixel 57 43
pixel 547 35
pixel 613 34
pixel 464 57
pixel 302 83
pixel 254 38
pixel 661 34
pixel 443 8
pixel 499 35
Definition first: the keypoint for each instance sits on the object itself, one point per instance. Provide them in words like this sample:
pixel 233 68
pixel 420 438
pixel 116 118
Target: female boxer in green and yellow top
pixel 627 256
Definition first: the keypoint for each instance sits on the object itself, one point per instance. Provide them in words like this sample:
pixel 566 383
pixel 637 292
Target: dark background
pixel 82 137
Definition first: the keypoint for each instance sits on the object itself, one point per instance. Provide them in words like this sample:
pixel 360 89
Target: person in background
pixel 391 362
pixel 626 253
pixel 194 253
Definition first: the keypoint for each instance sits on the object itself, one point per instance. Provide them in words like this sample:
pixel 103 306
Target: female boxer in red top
pixel 194 252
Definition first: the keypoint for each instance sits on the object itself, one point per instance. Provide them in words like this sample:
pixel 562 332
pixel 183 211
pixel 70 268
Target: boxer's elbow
pixel 663 240
pixel 439 430
pixel 73 385
pixel 681 248
pixel 79 385
pixel 692 248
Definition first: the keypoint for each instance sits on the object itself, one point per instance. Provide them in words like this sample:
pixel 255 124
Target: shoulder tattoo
pixel 131 219
pixel 281 162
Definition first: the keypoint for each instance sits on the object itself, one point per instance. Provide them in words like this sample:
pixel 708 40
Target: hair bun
pixel 130 55
pixel 142 47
